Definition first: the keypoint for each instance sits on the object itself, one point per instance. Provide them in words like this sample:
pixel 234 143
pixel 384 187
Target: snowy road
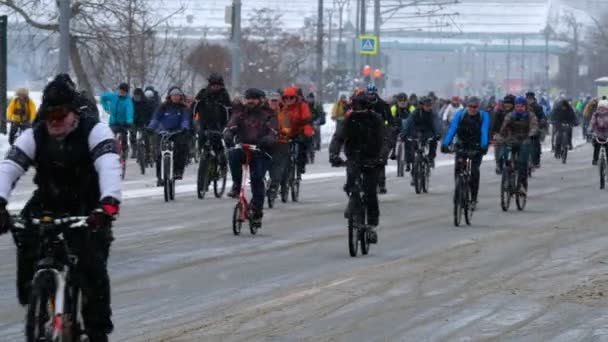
pixel 179 274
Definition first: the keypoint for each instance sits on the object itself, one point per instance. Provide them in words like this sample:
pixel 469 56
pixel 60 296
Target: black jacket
pixel 497 121
pixel 362 136
pixel 213 109
pixel 563 113
pixel 421 122
pixel 143 111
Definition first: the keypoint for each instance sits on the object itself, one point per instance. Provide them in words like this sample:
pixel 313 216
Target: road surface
pixel 178 273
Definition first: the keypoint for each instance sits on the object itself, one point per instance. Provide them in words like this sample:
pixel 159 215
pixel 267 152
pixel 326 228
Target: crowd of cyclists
pixel 78 162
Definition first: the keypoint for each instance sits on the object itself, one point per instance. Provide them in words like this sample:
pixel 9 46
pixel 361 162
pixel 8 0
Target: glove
pixel 102 217
pixel 228 137
pixel 437 137
pixel 309 131
pixel 445 149
pixel 5 218
pixel 336 161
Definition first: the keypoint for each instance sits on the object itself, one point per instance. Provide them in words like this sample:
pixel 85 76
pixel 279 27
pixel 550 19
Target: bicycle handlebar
pixel 74 221
pixel 600 141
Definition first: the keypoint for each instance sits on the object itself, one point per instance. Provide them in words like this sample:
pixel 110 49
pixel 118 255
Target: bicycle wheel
pixel 400 161
pixel 202 180
pixel 564 153
pixel 237 223
pixel 166 178
pixel 284 192
pixel 364 238
pixel 141 158
pixel 426 182
pixel 253 228
pixel 521 199
pixel 418 176
pixel 270 201
pixel 458 202
pixel 219 183
pixel 505 190
pixel 295 185
pixel 602 167
pixel 353 237
pixel 466 198
pixel 39 323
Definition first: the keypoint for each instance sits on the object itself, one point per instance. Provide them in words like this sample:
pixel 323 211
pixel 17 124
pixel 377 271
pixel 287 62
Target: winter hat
pixel 603 104
pixel 175 91
pixel 254 93
pixel 290 92
pixel 124 87
pixel 509 99
pixel 520 100
pixel 149 93
pixel 58 93
pixel 473 101
pixel 138 91
pixel 22 92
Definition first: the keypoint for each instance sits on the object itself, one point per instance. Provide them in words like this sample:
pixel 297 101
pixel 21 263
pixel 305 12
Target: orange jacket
pixel 299 119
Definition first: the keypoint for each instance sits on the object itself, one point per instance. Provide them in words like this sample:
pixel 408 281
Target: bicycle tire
pixel 284 192
pixel 458 202
pixel 353 237
pixel 141 158
pixel 564 154
pixel 505 190
pixel 364 238
pixel 602 168
pixel 295 191
pixel 219 184
pixel 38 316
pixel 400 161
pixel 468 213
pixel 202 179
pixel 166 179
pixel 253 229
pixel 417 177
pixel 520 199
pixel 427 178
pixel 237 224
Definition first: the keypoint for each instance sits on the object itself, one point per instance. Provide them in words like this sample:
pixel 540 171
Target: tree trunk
pixel 81 75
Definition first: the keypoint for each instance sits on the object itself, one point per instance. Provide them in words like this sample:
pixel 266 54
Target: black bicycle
pixel 291 183
pixel 463 201
pixel 602 161
pixel 562 142
pixel 421 168
pixel 54 312
pixel 144 150
pixel 167 147
pixel 511 183
pixel 400 156
pixel 212 167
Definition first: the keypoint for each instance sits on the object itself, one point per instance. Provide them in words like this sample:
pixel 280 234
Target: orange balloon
pixel 377 73
pixel 367 70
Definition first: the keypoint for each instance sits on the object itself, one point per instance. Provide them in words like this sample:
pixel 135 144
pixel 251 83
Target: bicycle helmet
pixel 372 89
pixel 254 93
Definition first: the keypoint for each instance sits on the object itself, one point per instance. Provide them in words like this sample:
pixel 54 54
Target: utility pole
pixel 377 19
pixel 355 55
pixel 3 72
pixel 330 13
pixel 341 51
pixel 485 63
pixel 64 35
pixel 362 29
pixel 575 56
pixel 523 63
pixel 508 85
pixel 235 75
pixel 320 51
pixel 547 36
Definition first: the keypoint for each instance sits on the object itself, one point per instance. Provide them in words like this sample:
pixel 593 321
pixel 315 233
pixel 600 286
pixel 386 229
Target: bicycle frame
pixel 166 148
pixel 602 143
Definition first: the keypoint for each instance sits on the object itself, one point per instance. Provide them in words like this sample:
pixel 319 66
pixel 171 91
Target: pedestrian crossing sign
pixel 369 45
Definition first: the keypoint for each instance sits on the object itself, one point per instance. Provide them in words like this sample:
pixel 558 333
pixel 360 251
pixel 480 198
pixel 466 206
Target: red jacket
pixel 299 119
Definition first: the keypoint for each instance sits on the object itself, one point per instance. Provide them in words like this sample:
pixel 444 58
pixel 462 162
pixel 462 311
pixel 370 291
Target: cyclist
pixel 143 110
pixel 77 172
pixel 542 128
pixel 362 136
pixel 508 103
pixel 171 116
pixel 152 95
pixel 599 127
pixel 21 112
pixel 301 130
pixel 213 110
pixel 338 112
pixel 450 111
pixel 422 124
pixel 400 112
pixel 563 114
pixel 280 151
pixel 254 124
pixel 518 129
pixel 120 107
pixel 471 126
pixel 381 107
pixel 318 119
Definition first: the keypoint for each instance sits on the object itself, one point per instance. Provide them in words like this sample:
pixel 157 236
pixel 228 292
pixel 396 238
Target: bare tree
pixel 108 38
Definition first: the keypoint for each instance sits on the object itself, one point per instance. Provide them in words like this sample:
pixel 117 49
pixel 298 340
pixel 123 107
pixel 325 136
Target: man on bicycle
pixel 537 140
pixel 318 119
pixel 255 124
pixel 280 151
pixel 471 127
pixel 120 107
pixel 599 127
pixel 518 130
pixel 300 121
pixel 77 174
pixel 21 112
pixel 422 124
pixel 563 114
pixel 380 106
pixel 400 112
pixel 508 103
pixel 362 136
pixel 143 110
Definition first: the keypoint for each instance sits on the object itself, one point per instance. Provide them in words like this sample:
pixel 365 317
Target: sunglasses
pixel 289 97
pixel 473 106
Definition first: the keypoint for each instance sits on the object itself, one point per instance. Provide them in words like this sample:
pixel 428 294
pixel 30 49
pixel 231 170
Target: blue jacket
pixel 119 107
pixel 170 117
pixel 485 128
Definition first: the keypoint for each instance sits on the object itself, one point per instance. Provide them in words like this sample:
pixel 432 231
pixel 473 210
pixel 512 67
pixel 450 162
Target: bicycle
pixel 401 162
pixel 54 312
pixel 212 167
pixel 144 157
pixel 242 210
pixel 120 136
pixel 602 162
pixel 463 201
pixel 511 182
pixel 358 231
pixel 291 184
pixel 421 169
pixel 166 164
pixel 562 142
